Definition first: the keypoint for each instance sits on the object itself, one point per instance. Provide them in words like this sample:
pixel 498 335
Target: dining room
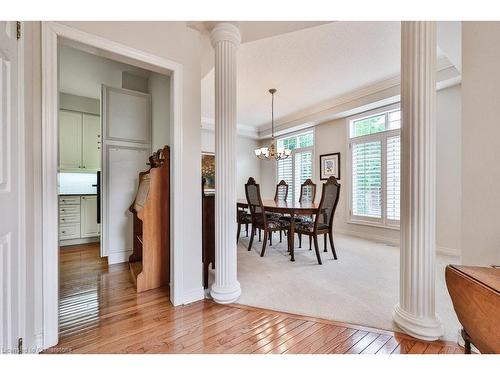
pixel 318 189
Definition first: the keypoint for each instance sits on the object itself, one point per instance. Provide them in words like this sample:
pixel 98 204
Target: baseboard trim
pixel 120 257
pixel 448 251
pixel 38 343
pixel 194 295
pixel 442 250
pixel 78 241
pixel 366 236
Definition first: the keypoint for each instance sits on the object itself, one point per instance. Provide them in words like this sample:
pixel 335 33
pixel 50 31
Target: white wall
pixel 159 88
pixel 82 73
pixel 174 41
pixel 480 143
pixel 247 165
pixel 449 170
pixel 331 137
pixel 79 103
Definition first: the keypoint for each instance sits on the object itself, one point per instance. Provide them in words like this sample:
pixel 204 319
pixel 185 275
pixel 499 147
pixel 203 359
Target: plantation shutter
pixel 285 172
pixel 303 171
pixel 393 176
pixel 367 179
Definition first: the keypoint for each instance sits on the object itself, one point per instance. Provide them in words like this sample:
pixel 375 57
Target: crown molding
pixel 378 94
pixel 243 130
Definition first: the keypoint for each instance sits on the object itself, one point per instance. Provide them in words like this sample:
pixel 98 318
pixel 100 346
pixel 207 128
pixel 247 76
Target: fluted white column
pixel 415 313
pixel 225 39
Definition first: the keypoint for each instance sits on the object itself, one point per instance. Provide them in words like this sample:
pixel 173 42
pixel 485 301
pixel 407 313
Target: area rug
pixel 361 287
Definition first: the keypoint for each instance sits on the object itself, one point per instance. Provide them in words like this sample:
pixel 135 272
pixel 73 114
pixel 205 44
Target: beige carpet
pixel 361 287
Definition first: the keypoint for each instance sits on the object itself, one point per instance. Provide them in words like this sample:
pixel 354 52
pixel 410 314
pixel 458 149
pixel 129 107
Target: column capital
pixel 225 31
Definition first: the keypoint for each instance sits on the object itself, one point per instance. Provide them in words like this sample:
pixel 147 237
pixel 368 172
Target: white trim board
pixel 370 237
pixel 378 94
pixel 392 242
pixel 78 241
pixel 51 31
pixel 242 130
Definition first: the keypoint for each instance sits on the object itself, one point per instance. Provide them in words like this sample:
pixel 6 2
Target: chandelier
pixel 272 152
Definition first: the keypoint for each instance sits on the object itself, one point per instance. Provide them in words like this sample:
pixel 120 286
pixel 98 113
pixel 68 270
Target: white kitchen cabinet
pixel 70 140
pixel 79 141
pixel 69 231
pixel 91 145
pixel 78 218
pixel 88 218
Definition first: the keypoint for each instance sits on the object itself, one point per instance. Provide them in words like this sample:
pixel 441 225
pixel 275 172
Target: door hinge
pixel 18 30
pixel 20 345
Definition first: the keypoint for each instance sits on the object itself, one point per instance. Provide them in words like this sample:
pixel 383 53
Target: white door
pixel 126 137
pixel 91 148
pixel 10 251
pixel 70 141
pixel 88 220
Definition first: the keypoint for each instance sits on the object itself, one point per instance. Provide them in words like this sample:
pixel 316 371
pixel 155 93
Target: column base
pixel 423 329
pixel 225 295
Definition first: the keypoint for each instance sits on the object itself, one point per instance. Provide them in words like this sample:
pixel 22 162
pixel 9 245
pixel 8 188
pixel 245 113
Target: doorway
pixel 56 37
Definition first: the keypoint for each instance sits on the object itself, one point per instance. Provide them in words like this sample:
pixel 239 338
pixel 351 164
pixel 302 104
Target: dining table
pixel 288 208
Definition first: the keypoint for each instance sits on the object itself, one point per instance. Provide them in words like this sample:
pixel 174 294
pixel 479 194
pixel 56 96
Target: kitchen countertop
pixel 67 195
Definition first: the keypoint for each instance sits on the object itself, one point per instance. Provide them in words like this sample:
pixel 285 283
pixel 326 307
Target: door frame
pixel 51 31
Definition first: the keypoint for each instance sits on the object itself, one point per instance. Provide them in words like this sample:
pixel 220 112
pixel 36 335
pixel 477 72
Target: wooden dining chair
pixel 307 191
pixel 242 218
pixel 281 194
pixel 323 222
pixel 307 194
pixel 260 221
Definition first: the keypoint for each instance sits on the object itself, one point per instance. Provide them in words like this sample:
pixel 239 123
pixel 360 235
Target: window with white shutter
pixel 375 156
pixel 367 179
pixel 285 172
pixel 298 167
pixel 393 176
pixel 303 171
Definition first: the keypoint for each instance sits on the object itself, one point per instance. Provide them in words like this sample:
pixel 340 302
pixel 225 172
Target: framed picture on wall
pixel 329 165
pixel 208 171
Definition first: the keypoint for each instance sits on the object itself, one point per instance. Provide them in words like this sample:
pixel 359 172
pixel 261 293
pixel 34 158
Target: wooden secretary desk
pixel 208 232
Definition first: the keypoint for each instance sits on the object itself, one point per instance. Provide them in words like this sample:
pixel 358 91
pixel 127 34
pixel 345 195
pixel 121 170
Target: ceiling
pixel 309 67
pixel 255 30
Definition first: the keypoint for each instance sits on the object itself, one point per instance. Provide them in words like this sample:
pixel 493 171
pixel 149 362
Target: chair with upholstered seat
pixel 260 220
pixel 323 222
pixel 307 194
pixel 242 217
pixel 281 194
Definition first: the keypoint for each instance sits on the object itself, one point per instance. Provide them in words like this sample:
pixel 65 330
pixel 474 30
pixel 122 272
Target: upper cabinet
pixel 79 141
pixel 91 146
pixel 70 140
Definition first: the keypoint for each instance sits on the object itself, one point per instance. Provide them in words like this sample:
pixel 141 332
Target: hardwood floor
pixel 100 312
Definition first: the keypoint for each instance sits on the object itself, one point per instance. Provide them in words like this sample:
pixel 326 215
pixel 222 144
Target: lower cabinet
pixel 78 217
pixel 88 218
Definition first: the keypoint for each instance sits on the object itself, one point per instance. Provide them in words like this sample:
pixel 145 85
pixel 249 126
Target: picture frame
pixel 329 165
pixel 208 171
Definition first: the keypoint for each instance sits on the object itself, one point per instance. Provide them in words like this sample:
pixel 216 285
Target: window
pixel 298 167
pixel 375 156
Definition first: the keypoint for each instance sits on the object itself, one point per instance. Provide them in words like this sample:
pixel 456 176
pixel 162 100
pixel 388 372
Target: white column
pixel 225 39
pixel 415 313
